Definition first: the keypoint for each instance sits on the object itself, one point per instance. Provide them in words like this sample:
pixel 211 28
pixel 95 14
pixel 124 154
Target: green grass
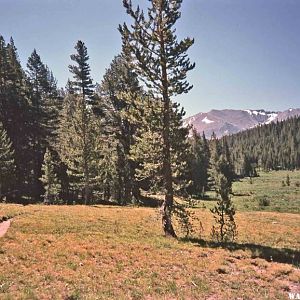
pixel 266 189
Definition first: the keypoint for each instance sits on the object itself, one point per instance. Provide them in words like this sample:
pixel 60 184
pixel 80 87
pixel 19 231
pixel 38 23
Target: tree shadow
pixel 147 201
pixel 143 201
pixel 280 255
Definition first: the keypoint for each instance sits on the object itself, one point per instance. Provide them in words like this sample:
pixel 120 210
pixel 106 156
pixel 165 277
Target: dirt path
pixel 4 227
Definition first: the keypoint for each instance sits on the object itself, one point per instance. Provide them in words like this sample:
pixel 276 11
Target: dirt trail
pixel 4 227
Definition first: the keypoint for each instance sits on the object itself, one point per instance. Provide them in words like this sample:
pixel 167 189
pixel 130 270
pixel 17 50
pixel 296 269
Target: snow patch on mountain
pixel 256 112
pixel 272 118
pixel 206 120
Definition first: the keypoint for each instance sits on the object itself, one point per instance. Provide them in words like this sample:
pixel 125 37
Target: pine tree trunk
pixel 86 194
pixel 167 205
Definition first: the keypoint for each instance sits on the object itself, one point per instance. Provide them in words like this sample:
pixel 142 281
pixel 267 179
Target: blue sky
pixel 247 52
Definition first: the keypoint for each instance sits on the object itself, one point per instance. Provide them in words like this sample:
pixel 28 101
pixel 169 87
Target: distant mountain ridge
pixel 231 121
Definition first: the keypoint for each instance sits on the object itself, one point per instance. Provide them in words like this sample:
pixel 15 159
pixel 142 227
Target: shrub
pixel 264 201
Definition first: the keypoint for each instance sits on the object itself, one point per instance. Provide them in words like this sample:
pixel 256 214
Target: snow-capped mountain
pixel 229 121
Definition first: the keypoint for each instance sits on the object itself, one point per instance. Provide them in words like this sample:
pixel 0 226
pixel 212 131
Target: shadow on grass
pixel 105 202
pixel 143 201
pixel 280 255
pixel 149 202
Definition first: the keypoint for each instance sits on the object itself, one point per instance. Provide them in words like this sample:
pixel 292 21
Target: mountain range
pixel 230 121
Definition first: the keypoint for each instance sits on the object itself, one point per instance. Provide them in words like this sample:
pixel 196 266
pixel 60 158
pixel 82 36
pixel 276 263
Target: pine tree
pixel 80 143
pixel 225 229
pixel 117 93
pixel 45 105
pixel 162 63
pixel 15 114
pixel 78 129
pixel 199 164
pixel 46 102
pixel 7 166
pixel 146 152
pixel 82 82
pixel 221 177
pixel 50 181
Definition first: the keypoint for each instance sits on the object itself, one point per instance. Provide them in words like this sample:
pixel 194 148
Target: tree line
pixel 275 146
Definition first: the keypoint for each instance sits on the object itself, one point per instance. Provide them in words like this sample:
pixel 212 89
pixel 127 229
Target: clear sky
pixel 247 52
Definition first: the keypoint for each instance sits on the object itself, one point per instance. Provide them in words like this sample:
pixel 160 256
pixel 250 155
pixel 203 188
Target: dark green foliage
pixel 45 99
pixel 79 145
pixel 82 82
pixel 249 167
pixel 118 93
pixel 147 149
pixel 269 147
pixel 16 116
pixel 220 163
pixel 199 164
pixel 50 181
pixel 221 178
pixel 45 105
pixel 7 166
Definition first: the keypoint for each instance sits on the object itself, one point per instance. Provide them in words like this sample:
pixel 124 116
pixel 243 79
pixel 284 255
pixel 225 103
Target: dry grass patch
pixel 77 252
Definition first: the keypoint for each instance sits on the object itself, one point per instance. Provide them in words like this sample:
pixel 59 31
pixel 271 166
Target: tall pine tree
pixel 162 63
pixel 79 133
pixel 117 95
pixel 45 105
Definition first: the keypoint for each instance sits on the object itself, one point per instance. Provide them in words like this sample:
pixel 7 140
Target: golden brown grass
pixel 76 252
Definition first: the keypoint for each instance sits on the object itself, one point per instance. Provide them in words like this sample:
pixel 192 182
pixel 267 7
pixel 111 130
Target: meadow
pixel 265 193
pixel 110 252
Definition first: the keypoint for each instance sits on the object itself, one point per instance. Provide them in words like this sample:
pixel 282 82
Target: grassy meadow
pixel 109 252
pixel 265 193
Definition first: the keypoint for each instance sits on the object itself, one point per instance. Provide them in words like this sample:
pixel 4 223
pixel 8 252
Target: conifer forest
pixel 114 155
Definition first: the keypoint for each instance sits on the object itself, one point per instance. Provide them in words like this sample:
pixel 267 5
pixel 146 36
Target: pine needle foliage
pixel 117 95
pixel 82 82
pixel 221 177
pixel 80 145
pixel 50 181
pixel 79 133
pixel 7 165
